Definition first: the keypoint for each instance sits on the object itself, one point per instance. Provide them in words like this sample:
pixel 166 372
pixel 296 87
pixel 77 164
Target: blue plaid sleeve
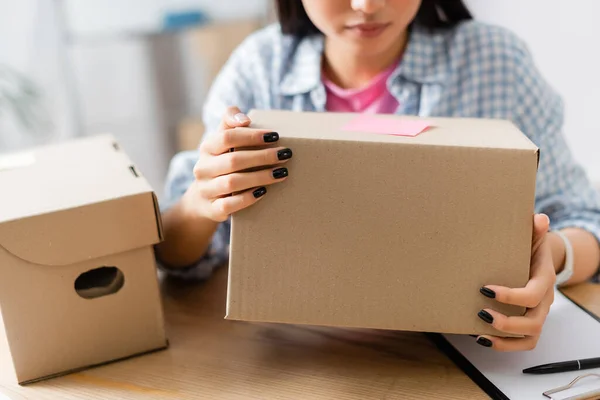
pixel 564 191
pixel 180 176
pixel 232 87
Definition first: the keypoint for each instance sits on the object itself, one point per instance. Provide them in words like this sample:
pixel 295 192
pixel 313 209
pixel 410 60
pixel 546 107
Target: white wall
pixel 564 38
pixel 30 43
pixel 117 94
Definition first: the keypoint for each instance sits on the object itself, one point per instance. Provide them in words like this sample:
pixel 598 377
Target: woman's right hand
pixel 221 188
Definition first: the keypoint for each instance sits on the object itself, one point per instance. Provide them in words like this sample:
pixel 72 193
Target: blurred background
pixel 140 69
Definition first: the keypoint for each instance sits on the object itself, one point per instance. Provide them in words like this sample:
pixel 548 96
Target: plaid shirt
pixel 473 70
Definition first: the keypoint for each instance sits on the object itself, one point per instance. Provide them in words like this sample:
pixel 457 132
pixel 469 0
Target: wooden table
pixel 211 358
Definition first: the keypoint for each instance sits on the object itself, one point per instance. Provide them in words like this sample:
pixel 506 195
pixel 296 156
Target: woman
pixel 415 57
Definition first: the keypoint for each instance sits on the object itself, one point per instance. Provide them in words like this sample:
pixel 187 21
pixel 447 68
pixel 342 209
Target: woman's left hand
pixel 537 296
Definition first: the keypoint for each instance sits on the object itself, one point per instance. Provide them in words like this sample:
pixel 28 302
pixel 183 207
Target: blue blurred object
pixel 183 19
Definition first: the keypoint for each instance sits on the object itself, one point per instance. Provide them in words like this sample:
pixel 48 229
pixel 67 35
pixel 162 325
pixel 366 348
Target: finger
pixel 542 264
pixel 225 206
pixel 508 344
pixel 233 118
pixel 240 181
pixel 541 281
pixel 541 224
pixel 529 325
pixel 529 296
pixel 246 159
pixel 223 141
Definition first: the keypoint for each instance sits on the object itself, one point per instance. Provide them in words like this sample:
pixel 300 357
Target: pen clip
pixel 569 385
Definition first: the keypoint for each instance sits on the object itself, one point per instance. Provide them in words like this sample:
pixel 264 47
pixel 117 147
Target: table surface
pixel 212 358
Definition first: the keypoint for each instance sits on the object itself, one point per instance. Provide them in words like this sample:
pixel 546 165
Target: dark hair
pixel 432 14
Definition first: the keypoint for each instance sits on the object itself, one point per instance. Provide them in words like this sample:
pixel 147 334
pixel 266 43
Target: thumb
pixel 234 118
pixel 541 224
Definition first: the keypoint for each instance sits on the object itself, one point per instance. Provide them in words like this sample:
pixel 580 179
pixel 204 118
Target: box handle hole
pixel 99 282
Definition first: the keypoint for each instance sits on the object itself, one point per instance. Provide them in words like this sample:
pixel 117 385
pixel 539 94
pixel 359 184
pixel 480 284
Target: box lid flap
pixel 461 132
pixel 74 201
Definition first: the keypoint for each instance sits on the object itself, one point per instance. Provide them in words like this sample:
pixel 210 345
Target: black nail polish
pixel 284 154
pixel 259 192
pixel 271 137
pixel 485 342
pixel 280 173
pixel 487 292
pixel 486 316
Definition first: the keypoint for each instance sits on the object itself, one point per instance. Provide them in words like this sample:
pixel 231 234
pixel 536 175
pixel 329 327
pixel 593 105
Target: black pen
pixel 564 366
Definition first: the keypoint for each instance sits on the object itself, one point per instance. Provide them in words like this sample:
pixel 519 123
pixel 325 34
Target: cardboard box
pixel 78 284
pixel 381 231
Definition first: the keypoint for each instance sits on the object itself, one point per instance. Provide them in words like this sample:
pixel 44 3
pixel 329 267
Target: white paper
pixel 568 334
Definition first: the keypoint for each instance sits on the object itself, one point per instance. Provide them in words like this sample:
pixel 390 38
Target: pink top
pixel 373 98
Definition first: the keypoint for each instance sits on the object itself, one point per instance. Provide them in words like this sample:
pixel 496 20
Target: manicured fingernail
pixel 284 154
pixel 486 316
pixel 488 292
pixel 241 117
pixel 261 191
pixel 271 137
pixel 280 173
pixel 485 342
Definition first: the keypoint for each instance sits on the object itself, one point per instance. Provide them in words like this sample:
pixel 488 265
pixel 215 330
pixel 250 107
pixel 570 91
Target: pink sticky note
pixel 387 126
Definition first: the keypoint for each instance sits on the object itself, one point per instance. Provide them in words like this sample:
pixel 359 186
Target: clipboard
pixel 499 374
pixel 467 367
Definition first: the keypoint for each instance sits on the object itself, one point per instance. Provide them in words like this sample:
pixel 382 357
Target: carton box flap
pixel 76 201
pixel 67 175
pixel 457 132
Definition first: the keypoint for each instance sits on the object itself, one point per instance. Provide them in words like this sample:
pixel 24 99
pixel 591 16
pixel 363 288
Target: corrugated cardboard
pixel 73 208
pixel 381 231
